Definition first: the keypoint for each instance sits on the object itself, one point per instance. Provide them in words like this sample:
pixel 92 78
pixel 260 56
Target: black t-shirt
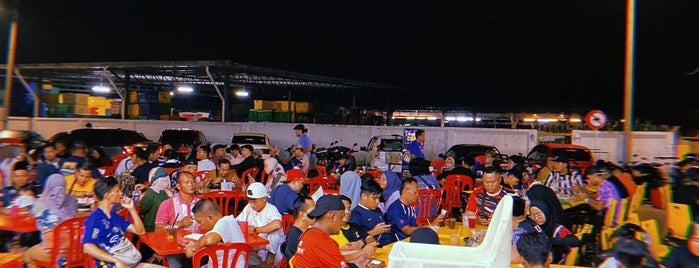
pixel 680 257
pixel 292 242
pixel 354 232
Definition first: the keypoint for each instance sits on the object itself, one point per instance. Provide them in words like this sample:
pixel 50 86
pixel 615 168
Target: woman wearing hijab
pixel 390 183
pixel 562 239
pixel 275 173
pixel 542 192
pixel 158 191
pixel 53 207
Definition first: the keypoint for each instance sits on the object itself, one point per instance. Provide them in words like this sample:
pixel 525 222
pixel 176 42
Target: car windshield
pixel 248 139
pixel 392 145
pixel 177 137
pixel 469 150
pixel 573 154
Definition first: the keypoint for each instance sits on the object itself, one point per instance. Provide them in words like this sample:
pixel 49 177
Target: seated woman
pixel 53 207
pixel 562 239
pixel 275 173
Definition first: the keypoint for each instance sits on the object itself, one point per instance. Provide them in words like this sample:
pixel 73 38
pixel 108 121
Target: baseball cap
pixel 257 190
pixel 299 127
pixel 294 174
pixel 326 203
pixel 561 158
pixel 247 146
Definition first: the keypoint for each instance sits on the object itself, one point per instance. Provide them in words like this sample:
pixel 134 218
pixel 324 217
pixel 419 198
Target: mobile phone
pixel 375 261
pixel 444 212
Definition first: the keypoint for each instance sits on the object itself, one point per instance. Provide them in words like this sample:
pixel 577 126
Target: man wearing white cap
pixel 263 219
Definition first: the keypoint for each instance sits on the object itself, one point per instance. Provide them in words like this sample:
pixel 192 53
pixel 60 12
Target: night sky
pixel 498 55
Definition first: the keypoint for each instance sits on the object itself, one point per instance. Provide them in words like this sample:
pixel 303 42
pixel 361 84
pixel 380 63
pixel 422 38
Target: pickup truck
pixel 387 149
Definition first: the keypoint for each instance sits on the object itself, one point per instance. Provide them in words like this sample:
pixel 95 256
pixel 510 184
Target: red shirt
pixel 317 249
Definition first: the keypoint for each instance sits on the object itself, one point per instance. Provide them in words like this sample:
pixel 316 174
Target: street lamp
pixel 11 44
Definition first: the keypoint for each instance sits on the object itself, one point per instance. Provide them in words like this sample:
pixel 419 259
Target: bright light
pixel 101 89
pixel 544 120
pixel 410 118
pixel 172 93
pixel 450 118
pixel 185 89
pixel 529 119
pixel 464 118
pixel 575 120
pixel 242 93
pixel 431 118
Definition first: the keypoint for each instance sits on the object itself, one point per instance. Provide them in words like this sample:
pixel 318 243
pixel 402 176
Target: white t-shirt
pixel 262 218
pixel 206 165
pixel 229 230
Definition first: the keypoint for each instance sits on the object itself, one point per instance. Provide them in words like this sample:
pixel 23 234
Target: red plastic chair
pixel 68 232
pixel 240 252
pixel 287 222
pixel 453 186
pixel 437 165
pixel 222 200
pixel 250 171
pixel 322 171
pixel 327 182
pixel 428 201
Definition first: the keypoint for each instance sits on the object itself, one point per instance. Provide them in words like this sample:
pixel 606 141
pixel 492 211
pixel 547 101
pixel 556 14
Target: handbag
pixel 126 252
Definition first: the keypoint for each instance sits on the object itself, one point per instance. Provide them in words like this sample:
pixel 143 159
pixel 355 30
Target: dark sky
pixel 495 54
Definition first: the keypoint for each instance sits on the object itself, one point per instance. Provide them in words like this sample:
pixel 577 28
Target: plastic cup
pixel 471 219
pixel 454 239
pixel 170 232
pixel 452 223
pixel 243 227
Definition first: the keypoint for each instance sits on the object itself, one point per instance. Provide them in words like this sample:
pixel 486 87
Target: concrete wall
pixel 609 145
pixel 605 144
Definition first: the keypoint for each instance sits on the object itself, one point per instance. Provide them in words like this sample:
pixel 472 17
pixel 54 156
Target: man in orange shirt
pixel 316 248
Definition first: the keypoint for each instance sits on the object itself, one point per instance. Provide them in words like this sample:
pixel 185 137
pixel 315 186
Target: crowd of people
pixel 158 190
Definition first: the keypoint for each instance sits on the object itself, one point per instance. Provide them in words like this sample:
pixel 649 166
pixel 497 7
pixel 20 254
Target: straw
pixel 173 222
pixel 459 232
pixel 428 222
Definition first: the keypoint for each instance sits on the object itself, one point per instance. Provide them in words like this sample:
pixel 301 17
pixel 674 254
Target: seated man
pixel 218 229
pixel 302 222
pixel 368 215
pixel 263 219
pixel 297 160
pixel 352 238
pixel 223 173
pixel 177 210
pixel 80 184
pixel 104 228
pixel 316 249
pixel 401 215
pixel 284 195
pixel 535 249
pixel 483 200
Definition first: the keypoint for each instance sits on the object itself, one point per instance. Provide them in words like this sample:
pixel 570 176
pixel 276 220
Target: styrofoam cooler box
pixel 495 251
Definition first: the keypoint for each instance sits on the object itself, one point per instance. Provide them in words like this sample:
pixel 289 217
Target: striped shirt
pixel 563 184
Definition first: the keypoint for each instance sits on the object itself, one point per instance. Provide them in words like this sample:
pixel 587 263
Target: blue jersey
pixel 398 216
pixel 104 232
pixel 417 148
pixel 368 219
pixel 283 198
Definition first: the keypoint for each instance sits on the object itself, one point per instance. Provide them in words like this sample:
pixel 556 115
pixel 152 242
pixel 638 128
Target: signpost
pixel 596 119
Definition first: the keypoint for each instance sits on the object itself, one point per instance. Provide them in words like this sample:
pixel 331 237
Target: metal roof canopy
pixel 166 75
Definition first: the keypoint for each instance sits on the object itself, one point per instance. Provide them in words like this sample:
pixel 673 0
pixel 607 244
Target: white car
pixel 391 147
pixel 259 141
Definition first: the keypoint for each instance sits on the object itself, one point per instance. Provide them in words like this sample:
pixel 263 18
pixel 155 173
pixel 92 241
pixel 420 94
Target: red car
pixel 579 157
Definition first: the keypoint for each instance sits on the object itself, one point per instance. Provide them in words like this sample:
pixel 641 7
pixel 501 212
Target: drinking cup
pixel 171 232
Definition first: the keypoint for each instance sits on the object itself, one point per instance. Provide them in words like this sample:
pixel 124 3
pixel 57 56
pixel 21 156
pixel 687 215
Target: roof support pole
pixel 223 101
pixel 118 91
pixel 34 96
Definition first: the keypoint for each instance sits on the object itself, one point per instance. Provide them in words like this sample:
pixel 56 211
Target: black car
pixel 183 140
pixel 469 150
pixel 114 141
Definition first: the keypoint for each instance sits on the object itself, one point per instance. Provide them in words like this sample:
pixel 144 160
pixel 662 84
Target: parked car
pixel 259 141
pixel 579 157
pixel 114 141
pixel 386 149
pixel 183 140
pixel 469 150
pixel 117 143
